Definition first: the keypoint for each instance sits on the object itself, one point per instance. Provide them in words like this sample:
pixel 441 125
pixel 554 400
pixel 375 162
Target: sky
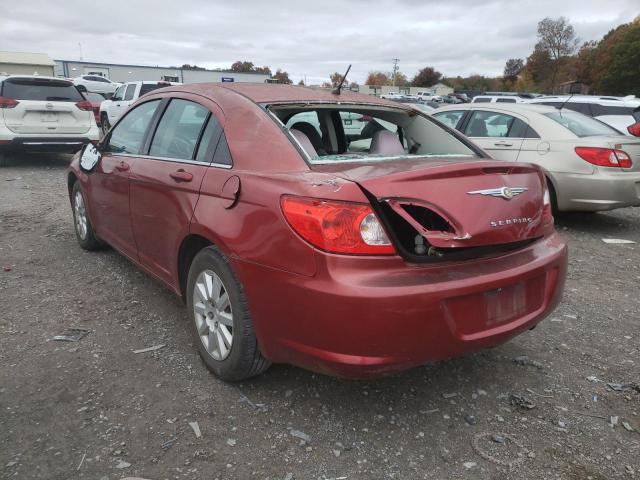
pixel 310 39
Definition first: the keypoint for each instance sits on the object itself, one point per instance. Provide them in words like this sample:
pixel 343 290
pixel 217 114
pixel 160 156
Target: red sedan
pixel 335 231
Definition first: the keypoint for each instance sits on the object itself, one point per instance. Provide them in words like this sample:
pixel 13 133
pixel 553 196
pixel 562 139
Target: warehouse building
pixel 25 63
pixel 129 73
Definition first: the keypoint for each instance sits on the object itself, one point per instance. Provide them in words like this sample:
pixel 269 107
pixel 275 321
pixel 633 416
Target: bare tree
pixel 558 38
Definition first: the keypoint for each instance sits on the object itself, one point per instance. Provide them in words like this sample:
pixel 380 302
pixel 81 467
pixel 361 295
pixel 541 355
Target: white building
pixel 129 73
pixel 437 89
pixel 25 63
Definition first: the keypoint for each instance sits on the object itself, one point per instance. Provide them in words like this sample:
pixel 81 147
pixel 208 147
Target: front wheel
pixel 85 234
pixel 220 321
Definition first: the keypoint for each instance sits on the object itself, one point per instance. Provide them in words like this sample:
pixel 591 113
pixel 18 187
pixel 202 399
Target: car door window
pixel 209 139
pixel 119 93
pixel 520 129
pixel 451 118
pixel 488 124
pixel 131 89
pixel 179 130
pixel 128 135
pixel 506 100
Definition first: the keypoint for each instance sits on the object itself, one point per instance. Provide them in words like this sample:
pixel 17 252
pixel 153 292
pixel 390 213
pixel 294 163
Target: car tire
pixel 104 123
pixel 553 198
pixel 85 234
pixel 221 326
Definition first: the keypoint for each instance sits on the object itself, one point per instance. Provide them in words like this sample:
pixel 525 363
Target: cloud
pixel 308 39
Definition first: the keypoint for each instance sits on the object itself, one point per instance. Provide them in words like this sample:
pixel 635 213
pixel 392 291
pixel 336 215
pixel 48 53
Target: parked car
pixel 39 113
pixel 589 165
pixel 451 99
pixel 497 99
pixel 427 96
pixel 622 113
pixel 111 110
pixel 96 99
pixel 95 83
pixel 348 263
pixel 462 97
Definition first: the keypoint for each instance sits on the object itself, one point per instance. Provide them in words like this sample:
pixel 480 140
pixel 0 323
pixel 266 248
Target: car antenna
pixel 339 87
pixel 564 103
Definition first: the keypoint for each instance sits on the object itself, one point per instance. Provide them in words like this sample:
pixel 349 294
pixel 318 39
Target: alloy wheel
pixel 213 315
pixel 80 214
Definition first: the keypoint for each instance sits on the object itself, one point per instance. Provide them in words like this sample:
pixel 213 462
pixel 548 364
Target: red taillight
pixel 8 102
pixel 634 129
pixel 337 227
pixel 604 157
pixel 85 105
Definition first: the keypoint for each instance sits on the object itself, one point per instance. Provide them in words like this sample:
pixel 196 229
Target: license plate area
pixel 483 311
pixel 49 117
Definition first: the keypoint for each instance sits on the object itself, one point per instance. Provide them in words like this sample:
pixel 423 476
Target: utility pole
pixel 395 69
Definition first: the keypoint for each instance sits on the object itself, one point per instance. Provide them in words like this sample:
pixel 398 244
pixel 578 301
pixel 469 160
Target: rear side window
pixel 131 90
pixel 520 129
pixel 210 137
pixel 128 134
pixel 149 87
pixel 40 90
pixel 581 125
pixel 506 100
pixel 179 130
pixel 481 100
pixel 223 155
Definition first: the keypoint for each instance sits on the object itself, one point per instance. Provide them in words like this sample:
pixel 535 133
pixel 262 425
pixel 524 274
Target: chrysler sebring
pixel 294 238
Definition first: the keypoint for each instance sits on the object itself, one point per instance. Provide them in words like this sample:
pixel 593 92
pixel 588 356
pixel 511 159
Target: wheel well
pixel 71 180
pixel 188 250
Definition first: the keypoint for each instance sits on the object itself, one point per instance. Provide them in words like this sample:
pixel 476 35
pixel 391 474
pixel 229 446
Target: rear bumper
pixel 68 144
pixel 360 317
pixel 603 190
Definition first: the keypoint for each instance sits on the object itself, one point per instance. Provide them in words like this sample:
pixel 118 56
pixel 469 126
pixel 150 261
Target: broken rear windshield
pixel 330 133
pixel 40 89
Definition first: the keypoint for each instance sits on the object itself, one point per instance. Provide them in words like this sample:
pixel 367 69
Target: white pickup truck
pixel 125 95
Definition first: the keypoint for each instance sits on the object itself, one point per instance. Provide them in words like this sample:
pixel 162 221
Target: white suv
pixel 622 113
pixel 95 83
pixel 43 114
pixel 126 94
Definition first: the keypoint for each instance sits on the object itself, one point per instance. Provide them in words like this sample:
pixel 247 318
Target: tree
pixel 557 38
pixel 539 69
pixel 621 78
pixel 186 66
pixel 301 83
pixel 354 86
pixel 512 69
pixel 377 79
pixel 282 77
pixel 240 66
pixel 427 77
pixel 400 80
pixel 335 78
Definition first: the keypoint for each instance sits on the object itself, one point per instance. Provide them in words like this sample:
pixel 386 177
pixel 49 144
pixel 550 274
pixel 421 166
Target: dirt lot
pixel 93 409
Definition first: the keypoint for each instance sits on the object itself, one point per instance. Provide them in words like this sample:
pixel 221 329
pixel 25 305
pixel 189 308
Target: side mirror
pixel 90 157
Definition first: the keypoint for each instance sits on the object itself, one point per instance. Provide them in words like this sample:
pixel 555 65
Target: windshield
pixel 357 133
pixel 581 125
pixel 40 89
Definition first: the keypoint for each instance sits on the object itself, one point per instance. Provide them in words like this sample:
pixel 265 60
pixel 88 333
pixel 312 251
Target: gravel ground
pixel 561 401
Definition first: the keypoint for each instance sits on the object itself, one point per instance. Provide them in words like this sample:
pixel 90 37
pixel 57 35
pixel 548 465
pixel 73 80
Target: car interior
pixel 331 133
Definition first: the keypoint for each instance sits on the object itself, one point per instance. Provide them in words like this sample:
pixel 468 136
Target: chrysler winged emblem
pixel 505 192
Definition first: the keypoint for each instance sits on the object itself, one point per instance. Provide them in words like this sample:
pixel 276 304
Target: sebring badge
pixel 505 192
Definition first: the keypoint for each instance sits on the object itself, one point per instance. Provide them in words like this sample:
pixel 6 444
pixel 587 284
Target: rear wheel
pixel 85 234
pixel 220 321
pixel 104 123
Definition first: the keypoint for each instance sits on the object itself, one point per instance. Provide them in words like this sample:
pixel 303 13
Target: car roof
pixel 279 93
pixel 507 107
pixel 613 100
pixel 44 77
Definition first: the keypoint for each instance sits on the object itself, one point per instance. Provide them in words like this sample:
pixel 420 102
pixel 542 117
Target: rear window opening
pixel 330 133
pixel 415 248
pixel 40 89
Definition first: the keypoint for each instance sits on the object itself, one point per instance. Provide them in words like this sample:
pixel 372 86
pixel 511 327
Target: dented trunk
pixel 450 209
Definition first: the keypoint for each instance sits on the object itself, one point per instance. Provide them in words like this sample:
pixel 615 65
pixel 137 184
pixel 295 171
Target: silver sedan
pixel 590 166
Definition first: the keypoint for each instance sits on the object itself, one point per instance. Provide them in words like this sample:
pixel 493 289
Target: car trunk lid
pixel 452 204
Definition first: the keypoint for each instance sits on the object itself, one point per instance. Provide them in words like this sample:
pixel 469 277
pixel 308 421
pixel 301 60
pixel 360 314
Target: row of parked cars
pixel 238 196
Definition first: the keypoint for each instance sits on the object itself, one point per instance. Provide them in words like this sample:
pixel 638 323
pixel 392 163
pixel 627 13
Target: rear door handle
pixel 181 176
pixel 122 167
pixel 503 144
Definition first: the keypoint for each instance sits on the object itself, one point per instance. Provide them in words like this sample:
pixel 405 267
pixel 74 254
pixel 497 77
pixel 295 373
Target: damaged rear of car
pixel 425 248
